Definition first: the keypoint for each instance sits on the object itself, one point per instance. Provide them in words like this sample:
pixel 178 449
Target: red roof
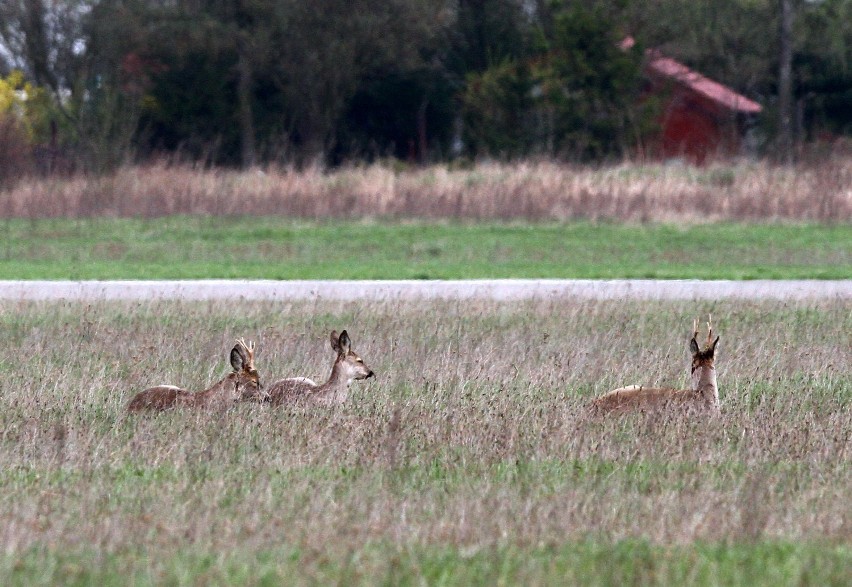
pixel 667 67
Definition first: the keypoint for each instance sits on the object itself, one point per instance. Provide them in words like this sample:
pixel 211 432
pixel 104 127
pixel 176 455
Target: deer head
pixel 348 366
pixel 245 377
pixel 703 363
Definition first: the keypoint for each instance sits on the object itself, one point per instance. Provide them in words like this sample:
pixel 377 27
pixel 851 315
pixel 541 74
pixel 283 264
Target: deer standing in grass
pixel 348 367
pixel 242 382
pixel 703 392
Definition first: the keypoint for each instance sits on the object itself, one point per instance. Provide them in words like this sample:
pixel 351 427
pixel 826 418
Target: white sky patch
pixel 6 56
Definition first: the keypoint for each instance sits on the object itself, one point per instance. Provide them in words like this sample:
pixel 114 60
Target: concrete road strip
pixel 496 289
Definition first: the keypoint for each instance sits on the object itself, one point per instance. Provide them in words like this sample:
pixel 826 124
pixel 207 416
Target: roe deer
pixel 242 382
pixel 348 366
pixel 703 392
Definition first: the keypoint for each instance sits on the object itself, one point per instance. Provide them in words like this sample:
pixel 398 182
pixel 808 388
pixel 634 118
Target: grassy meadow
pixel 184 247
pixel 470 459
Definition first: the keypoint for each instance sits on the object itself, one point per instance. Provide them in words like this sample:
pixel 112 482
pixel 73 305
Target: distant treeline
pixel 244 82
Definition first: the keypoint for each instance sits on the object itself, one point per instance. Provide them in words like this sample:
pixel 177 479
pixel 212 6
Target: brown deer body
pixel 703 392
pixel 243 381
pixel 348 367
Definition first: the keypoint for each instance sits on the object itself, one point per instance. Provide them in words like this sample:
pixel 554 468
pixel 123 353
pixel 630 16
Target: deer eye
pixel 359 360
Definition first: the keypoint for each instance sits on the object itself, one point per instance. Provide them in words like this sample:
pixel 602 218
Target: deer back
pixel 161 397
pixel 244 380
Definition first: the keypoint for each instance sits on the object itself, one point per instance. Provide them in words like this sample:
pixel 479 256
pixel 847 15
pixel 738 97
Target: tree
pixel 576 97
pixel 487 33
pixel 240 82
pixel 46 41
pixel 823 66
pixel 326 49
pixel 785 82
pixel 284 74
pixel 15 128
pixel 76 50
pixel 43 39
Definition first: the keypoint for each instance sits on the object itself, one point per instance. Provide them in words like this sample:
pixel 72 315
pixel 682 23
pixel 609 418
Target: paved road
pixel 497 289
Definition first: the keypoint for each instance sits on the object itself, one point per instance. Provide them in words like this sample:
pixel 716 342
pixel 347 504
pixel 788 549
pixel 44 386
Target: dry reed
pixel 530 191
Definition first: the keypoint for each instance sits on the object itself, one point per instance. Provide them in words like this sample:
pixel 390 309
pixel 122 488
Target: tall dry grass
pixel 530 191
pixel 474 433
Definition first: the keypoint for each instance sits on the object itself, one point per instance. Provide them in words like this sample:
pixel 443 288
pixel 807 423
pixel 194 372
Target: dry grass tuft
pixel 475 433
pixel 532 191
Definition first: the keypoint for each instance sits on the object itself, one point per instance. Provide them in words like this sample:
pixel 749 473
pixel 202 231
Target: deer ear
pixel 344 343
pixel 238 359
pixel 335 341
pixel 693 346
pixel 713 346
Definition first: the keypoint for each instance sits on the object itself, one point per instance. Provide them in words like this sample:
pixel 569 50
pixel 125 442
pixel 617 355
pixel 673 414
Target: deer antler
pixel 248 347
pixel 709 328
pixel 695 328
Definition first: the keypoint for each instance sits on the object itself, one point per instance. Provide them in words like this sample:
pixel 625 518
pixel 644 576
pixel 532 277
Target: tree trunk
pixel 785 83
pixel 246 118
pixel 422 139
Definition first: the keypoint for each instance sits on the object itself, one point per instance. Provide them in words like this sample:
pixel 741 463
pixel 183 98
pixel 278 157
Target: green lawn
pixel 631 562
pixel 279 248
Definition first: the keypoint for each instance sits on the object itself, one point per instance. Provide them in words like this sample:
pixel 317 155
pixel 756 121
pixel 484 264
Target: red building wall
pixel 694 130
pixel 701 119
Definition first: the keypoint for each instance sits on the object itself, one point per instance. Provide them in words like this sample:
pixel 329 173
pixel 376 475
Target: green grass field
pixel 183 247
pixel 629 562
pixel 470 460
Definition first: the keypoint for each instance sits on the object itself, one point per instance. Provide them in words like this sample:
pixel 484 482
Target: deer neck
pixel 222 391
pixel 704 383
pixel 336 389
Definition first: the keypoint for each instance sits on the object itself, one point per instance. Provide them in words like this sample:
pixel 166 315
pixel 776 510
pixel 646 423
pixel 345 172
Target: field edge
pixel 587 562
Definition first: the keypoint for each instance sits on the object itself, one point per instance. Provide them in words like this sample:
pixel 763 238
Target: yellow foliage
pixel 12 91
pixel 27 103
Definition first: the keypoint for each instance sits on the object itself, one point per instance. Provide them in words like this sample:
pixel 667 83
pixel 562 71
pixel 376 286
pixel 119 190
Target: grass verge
pixel 629 562
pixel 275 248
